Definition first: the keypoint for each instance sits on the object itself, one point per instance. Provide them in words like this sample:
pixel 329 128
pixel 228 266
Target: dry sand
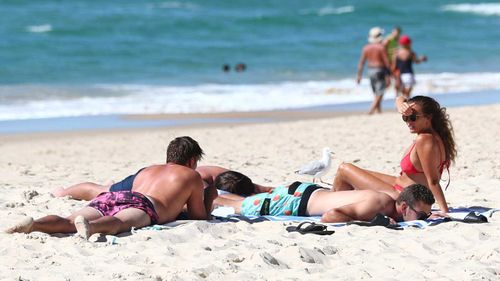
pixel 269 153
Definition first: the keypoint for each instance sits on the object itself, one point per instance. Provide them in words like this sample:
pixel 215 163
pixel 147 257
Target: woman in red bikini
pixel 424 161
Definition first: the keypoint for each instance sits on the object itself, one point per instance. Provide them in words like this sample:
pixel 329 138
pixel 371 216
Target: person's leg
pixel 82 191
pixel 350 177
pixel 121 222
pixel 406 92
pixel 52 223
pixel 376 105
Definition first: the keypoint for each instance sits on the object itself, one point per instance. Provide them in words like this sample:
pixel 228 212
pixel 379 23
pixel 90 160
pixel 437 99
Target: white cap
pixel 375 35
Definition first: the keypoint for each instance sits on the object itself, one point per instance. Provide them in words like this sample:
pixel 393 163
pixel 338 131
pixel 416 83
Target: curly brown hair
pixel 440 123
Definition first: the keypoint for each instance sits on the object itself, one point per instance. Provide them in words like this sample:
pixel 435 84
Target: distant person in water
pixel 226 67
pixel 240 67
pixel 403 65
pixel 378 67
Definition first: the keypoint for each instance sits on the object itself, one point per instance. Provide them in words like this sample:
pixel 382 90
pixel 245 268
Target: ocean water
pixel 89 58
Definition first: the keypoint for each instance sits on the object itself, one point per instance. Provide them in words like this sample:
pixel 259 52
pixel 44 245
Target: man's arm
pixel 361 64
pixel 196 207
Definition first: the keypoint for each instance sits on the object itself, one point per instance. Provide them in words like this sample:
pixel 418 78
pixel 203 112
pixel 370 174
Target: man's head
pixel 184 151
pixel 396 32
pixel 415 202
pixel 234 182
pixel 375 35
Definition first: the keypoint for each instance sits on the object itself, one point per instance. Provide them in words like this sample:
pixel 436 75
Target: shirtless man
pixel 378 67
pixel 307 199
pixel 158 195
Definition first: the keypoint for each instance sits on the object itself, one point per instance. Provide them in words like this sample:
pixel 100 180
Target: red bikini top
pixel 408 168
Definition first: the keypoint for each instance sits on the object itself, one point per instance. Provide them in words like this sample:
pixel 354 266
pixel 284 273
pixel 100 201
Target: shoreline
pixel 101 123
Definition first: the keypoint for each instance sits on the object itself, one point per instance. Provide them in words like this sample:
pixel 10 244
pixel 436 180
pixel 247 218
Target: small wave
pixel 484 9
pixel 39 28
pixel 177 5
pixel 329 10
pixel 207 98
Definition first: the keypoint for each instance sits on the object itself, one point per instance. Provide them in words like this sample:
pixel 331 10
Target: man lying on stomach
pixel 158 195
pixel 307 199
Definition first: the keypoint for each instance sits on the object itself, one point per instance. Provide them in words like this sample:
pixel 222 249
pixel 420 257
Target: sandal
pixel 310 227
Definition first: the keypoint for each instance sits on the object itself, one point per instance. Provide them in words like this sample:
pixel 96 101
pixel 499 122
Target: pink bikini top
pixel 408 168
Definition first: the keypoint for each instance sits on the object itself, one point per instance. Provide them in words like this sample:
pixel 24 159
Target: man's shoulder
pixel 377 196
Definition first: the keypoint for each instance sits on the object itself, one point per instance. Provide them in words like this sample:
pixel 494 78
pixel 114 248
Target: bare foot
pixel 82 227
pixel 23 226
pixel 58 192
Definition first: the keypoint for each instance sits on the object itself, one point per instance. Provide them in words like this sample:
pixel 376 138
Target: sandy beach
pixel 32 165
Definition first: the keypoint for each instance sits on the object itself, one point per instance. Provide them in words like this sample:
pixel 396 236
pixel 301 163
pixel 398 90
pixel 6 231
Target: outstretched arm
pixel 361 63
pixel 429 162
pixel 417 59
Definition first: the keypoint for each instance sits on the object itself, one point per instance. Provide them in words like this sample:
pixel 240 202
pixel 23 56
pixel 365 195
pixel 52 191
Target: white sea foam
pixel 329 10
pixel 152 99
pixel 177 5
pixel 485 9
pixel 39 28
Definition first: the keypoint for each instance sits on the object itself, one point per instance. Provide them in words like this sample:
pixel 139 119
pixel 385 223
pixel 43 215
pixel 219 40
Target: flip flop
pixel 378 220
pixel 310 227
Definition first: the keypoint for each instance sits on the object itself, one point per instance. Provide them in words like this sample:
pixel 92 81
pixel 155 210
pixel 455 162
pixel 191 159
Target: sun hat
pixel 375 35
pixel 404 40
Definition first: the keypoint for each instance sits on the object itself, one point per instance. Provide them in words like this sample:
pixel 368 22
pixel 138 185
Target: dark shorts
pixel 126 184
pixel 280 201
pixel 110 203
pixel 377 80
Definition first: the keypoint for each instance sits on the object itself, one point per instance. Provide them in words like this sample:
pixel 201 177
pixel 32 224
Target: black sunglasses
pixel 412 117
pixel 421 215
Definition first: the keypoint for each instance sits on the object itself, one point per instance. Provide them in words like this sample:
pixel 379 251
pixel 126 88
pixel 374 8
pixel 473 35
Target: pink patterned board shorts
pixel 110 203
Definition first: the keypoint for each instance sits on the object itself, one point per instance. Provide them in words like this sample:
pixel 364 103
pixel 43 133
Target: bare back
pixel 376 55
pixel 170 186
pixel 359 204
pixel 209 173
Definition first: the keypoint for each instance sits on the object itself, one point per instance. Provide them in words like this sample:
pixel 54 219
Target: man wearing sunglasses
pixel 306 199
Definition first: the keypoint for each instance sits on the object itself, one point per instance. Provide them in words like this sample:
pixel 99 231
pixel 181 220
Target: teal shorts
pixel 281 201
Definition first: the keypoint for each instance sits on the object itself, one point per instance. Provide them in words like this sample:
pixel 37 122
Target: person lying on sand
pixel 158 196
pixel 308 199
pixel 89 190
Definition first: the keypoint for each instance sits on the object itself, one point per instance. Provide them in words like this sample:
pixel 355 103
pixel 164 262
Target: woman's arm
pixel 430 163
pixel 403 106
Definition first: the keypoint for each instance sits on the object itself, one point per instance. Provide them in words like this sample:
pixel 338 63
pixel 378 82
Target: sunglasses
pixel 412 117
pixel 421 215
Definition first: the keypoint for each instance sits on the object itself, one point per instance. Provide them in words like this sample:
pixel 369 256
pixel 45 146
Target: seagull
pixel 317 168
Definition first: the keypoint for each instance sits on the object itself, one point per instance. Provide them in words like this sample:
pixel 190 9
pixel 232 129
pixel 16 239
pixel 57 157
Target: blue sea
pixel 87 58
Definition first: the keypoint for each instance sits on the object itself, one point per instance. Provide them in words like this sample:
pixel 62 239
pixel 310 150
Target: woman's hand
pixel 403 106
